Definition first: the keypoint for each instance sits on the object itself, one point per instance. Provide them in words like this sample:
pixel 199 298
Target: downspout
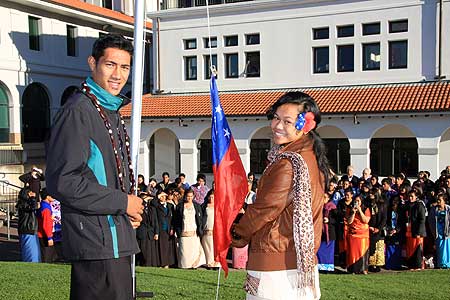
pixel 439 77
pixel 158 87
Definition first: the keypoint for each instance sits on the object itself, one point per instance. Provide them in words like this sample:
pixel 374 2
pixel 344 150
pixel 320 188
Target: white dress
pixel 207 239
pixel 190 249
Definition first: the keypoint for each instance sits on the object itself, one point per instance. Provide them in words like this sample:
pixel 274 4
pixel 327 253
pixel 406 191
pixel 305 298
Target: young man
pixel 89 171
pixel 28 225
pixel 45 228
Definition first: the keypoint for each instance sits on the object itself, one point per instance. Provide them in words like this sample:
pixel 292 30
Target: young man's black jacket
pixel 82 174
pixel 26 207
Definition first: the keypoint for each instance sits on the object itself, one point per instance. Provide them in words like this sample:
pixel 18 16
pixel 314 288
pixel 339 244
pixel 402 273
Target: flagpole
pixel 136 108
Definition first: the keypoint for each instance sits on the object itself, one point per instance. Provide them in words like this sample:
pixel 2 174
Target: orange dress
pixel 358 244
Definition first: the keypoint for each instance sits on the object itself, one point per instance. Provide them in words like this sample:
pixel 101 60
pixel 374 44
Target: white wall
pixel 444 150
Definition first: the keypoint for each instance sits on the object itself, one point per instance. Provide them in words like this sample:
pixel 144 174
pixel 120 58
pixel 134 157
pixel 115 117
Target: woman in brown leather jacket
pixel 283 227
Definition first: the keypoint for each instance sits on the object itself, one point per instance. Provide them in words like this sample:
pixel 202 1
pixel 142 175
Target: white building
pixel 44 47
pixel 371 65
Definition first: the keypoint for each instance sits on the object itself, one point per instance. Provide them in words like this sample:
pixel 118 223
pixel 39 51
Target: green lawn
pixel 25 281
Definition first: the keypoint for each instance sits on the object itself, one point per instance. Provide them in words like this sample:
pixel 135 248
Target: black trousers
pixel 101 279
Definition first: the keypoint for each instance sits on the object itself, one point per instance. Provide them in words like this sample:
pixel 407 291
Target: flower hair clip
pixel 305 122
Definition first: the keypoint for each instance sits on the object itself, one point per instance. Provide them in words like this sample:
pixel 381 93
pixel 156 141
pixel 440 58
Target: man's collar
pixel 106 99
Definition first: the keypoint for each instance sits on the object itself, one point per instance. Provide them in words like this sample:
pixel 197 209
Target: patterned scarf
pixel 303 226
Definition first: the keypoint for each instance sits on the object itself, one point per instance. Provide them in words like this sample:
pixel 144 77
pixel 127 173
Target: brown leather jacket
pixel 267 224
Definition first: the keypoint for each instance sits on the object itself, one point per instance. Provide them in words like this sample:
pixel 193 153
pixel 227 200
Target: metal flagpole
pixel 136 108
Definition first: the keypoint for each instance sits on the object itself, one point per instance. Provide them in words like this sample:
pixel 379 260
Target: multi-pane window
pixel 371 56
pixel 321 57
pixel 213 42
pixel 345 58
pixel 34 33
pixel 259 148
pixel 253 68
pixel 207 64
pixel 231 65
pixel 206 156
pixel 371 28
pixel 71 40
pixel 252 39
pixel 231 41
pixel 398 26
pixel 4 116
pixel 345 31
pixel 107 4
pixel 190 67
pixel 398 54
pixel 190 44
pixel 321 33
pixel 338 154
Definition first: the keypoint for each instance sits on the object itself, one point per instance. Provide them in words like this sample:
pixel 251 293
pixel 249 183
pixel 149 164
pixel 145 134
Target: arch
pixel 204 146
pixel 338 147
pixel 164 152
pixel 69 91
pixel 4 113
pixel 260 144
pixel 393 149
pixel 444 149
pixel 35 113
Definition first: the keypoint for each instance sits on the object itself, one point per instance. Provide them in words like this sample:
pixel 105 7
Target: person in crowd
pixel 252 178
pixel 359 188
pixel 170 196
pixel 374 182
pixel 387 191
pixel 188 222
pixel 33 179
pixel 393 259
pixel 350 176
pixel 164 183
pixel 28 225
pixel 284 225
pixel 325 255
pixel 141 186
pixel 45 228
pixel 439 220
pixel 91 174
pixel 415 230
pixel 343 208
pixel 166 243
pixel 364 193
pixel 358 237
pixel 147 235
pixel 403 193
pixel 185 185
pixel 208 226
pixel 152 188
pixel 400 179
pixel 377 225
pixel 366 174
pixel 251 195
pixel 57 229
pixel 334 192
pixel 200 189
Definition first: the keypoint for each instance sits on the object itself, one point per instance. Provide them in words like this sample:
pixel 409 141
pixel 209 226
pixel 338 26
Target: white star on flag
pixel 218 109
pixel 226 133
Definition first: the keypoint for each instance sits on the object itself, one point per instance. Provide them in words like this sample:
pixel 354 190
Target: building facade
pixel 44 47
pixel 347 51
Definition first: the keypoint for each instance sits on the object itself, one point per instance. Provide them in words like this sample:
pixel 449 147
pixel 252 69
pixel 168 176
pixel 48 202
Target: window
pixel 321 59
pixel 213 42
pixel 259 148
pixel 231 40
pixel 345 31
pixel 4 116
pixel 252 39
pixel 394 155
pixel 345 58
pixel 107 4
pixel 71 40
pixel 371 28
pixel 190 44
pixel 398 55
pixel 231 65
pixel 34 33
pixel 338 154
pixel 321 33
pixel 207 64
pixel 35 113
pixel 205 156
pixel 252 65
pixel 190 67
pixel 398 26
pixel 371 56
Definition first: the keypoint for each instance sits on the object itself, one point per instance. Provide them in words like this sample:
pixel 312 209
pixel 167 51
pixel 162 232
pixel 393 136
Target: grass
pixel 25 281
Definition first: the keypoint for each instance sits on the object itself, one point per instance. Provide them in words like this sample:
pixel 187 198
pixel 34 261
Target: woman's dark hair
pixel 113 40
pixel 309 105
pixel 201 176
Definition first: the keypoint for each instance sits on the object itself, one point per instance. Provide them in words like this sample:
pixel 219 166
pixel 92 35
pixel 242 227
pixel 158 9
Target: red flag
pixel 229 178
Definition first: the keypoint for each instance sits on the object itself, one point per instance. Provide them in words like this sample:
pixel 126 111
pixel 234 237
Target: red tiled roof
pixel 380 98
pixel 97 10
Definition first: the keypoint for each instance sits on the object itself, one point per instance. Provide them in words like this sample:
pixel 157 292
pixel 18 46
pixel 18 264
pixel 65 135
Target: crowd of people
pixel 396 224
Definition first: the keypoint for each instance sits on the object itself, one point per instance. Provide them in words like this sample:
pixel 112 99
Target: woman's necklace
pixel 87 91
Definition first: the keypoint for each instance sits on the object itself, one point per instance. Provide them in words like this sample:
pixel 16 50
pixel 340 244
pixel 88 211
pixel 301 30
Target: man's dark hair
pixel 165 173
pixel 111 41
pixel 182 175
pixel 386 180
pixel 201 176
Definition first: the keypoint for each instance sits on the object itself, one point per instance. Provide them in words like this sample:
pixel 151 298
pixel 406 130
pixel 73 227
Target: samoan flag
pixel 229 178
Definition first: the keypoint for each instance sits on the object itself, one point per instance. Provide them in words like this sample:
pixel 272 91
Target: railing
pixel 169 4
pixel 11 156
pixel 9 194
